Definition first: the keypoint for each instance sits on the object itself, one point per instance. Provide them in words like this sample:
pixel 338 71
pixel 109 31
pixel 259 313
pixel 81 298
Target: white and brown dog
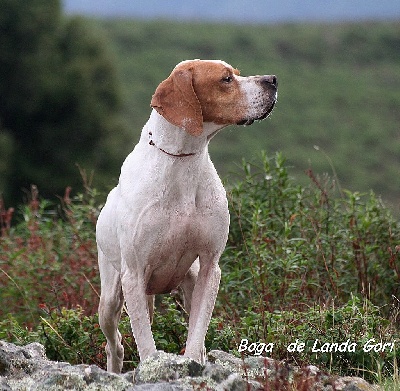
pixel 166 223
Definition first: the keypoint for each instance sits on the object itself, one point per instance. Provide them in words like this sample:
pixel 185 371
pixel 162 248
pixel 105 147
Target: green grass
pixel 338 89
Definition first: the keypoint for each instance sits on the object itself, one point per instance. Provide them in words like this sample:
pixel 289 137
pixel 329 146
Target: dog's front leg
pixel 203 300
pixel 138 311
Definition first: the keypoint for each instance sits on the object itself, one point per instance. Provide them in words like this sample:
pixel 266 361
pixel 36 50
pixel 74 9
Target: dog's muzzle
pixel 270 85
pixel 248 122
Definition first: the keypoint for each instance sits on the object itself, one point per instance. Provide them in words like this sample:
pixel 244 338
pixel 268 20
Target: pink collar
pixel 151 142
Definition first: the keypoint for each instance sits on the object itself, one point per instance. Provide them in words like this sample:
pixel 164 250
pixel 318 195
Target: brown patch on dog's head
pixel 176 100
pixel 200 91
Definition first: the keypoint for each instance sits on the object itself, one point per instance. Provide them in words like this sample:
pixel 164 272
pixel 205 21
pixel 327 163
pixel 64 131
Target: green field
pixel 339 90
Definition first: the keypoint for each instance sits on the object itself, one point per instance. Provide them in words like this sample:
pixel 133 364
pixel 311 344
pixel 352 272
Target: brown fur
pixel 196 92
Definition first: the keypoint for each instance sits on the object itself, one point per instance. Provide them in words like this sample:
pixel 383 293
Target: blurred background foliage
pixel 339 89
pixel 59 99
pixel 76 91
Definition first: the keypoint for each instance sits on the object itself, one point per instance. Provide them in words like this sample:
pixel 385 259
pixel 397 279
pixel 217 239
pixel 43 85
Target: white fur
pixel 255 95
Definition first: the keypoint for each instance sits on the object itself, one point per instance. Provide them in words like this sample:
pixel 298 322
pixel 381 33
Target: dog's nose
pixel 269 80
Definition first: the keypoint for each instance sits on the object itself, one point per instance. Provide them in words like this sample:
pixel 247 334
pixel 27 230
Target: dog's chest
pixel 170 212
pixel 165 230
pixel 170 234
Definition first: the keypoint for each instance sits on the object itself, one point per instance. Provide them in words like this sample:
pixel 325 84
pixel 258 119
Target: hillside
pixel 339 90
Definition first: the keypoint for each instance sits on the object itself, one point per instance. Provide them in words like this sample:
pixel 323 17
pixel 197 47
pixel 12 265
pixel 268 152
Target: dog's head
pixel 201 91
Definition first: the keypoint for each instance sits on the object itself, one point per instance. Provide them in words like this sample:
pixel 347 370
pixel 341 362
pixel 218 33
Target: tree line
pixel 59 98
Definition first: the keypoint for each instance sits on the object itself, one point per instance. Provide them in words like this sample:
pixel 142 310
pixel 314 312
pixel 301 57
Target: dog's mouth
pixel 250 121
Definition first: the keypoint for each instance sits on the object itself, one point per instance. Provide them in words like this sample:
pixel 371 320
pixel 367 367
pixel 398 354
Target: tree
pixel 59 97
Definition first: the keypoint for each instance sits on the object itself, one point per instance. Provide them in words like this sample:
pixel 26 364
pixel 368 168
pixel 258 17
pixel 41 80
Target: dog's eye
pixel 227 79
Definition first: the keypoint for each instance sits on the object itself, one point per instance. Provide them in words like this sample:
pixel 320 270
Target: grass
pixel 338 89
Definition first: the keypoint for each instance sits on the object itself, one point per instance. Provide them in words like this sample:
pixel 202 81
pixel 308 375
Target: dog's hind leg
pixel 188 285
pixel 150 306
pixel 110 307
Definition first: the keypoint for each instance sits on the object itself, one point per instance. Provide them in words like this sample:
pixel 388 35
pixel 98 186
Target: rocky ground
pixel 27 368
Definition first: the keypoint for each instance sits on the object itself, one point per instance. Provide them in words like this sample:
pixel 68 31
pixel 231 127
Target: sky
pixel 245 11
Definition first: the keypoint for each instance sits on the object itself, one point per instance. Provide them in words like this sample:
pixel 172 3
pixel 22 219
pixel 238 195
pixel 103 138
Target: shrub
pixel 293 246
pixel 299 256
pixel 356 327
pixel 70 335
pixel 50 257
pixel 302 263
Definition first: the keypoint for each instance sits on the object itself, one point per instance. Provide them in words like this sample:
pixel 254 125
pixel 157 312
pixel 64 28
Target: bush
pixel 70 335
pixel 50 257
pixel 302 263
pixel 356 327
pixel 293 246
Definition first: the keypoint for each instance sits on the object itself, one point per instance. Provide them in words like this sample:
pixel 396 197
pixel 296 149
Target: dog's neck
pixel 151 142
pixel 174 141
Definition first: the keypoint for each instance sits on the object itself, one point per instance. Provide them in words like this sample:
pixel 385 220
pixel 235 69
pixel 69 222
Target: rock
pixel 15 359
pixel 28 369
pixel 166 367
pixel 353 384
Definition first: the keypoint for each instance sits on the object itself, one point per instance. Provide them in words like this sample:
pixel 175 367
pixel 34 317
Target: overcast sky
pixel 255 11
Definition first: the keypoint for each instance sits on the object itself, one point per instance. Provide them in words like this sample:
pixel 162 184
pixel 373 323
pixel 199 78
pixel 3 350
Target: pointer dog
pixel 166 223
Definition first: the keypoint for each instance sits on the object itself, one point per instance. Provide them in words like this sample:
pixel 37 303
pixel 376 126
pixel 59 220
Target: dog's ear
pixel 176 100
